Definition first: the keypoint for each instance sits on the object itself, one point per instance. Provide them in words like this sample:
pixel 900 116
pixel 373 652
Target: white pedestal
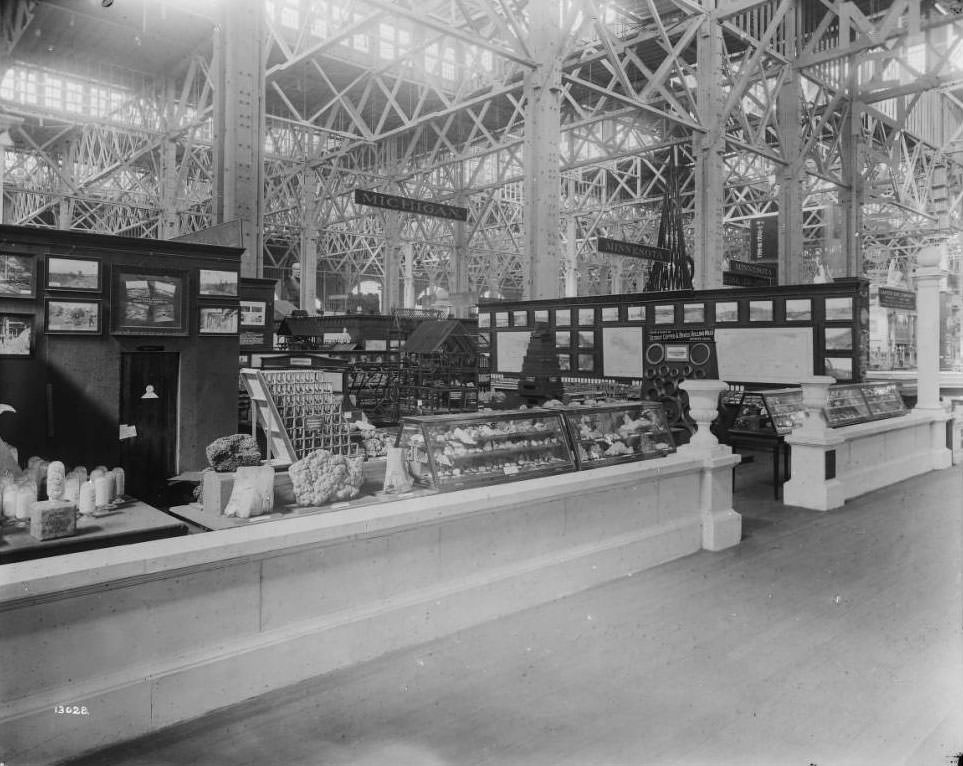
pixel 809 487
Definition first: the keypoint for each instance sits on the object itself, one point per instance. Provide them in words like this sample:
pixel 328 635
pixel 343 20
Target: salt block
pixel 50 519
pixel 216 490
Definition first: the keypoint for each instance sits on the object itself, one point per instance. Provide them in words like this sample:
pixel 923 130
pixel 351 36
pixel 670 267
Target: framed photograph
pixel 840 368
pixel 18 276
pixel 838 338
pixel 563 339
pixel 564 362
pixel 81 274
pixel 586 362
pixel 727 311
pixel 501 319
pixel 799 309
pixel 635 314
pixel 541 316
pixel 676 352
pixel 760 311
pixel 484 319
pixel 610 313
pixel 253 313
pixel 221 284
pixel 586 316
pixel 148 302
pixel 839 309
pixel 520 318
pixel 72 317
pixel 694 313
pixel 586 339
pixel 563 317
pixel 16 334
pixel 217 320
pixel 665 314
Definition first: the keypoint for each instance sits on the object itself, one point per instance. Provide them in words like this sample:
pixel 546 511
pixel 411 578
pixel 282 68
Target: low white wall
pixel 151 634
pixel 868 456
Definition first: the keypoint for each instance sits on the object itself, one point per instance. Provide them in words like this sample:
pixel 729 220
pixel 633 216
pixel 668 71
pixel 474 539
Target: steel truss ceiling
pixel 428 100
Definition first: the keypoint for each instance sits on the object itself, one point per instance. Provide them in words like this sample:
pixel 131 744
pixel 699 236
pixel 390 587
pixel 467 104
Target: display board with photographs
pixel 72 317
pixel 147 302
pixel 75 274
pixel 18 276
pixel 16 334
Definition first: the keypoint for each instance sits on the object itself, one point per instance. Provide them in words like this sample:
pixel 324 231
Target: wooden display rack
pixel 298 412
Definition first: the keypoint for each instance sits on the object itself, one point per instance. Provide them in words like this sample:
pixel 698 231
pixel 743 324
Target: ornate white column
pixel 721 525
pixel 928 276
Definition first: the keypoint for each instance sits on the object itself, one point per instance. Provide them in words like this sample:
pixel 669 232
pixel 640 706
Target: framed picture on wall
pixel 72 317
pixel 839 309
pixel 610 313
pixel 664 314
pixel 799 309
pixel 81 274
pixel 693 313
pixel 563 317
pixel 727 311
pixel 16 334
pixel 253 313
pixel 18 276
pixel 541 316
pixel 217 320
pixel 635 314
pixel 484 319
pixel 520 318
pixel 221 284
pixel 148 302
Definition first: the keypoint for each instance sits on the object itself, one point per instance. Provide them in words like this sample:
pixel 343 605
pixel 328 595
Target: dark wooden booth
pixel 118 351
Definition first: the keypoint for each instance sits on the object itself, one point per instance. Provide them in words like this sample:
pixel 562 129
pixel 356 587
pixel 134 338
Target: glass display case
pixel 616 433
pixel 776 411
pixel 883 399
pixel 465 450
pixel 846 406
pixel 859 402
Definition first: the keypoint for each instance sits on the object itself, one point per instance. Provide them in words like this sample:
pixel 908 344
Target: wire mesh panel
pixel 309 410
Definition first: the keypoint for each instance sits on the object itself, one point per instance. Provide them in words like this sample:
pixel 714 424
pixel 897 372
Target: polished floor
pixel 824 638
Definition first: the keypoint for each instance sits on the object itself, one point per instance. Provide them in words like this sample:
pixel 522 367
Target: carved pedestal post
pixel 721 526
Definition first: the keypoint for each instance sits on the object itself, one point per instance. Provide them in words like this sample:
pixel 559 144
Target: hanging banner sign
pixel 408 205
pixel 890 297
pixel 670 335
pixel 633 250
pixel 762 271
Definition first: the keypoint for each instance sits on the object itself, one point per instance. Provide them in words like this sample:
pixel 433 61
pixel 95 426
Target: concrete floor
pixel 824 638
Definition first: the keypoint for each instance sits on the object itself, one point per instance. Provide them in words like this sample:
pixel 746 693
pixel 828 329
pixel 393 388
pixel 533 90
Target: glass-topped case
pixel 777 411
pixel 859 402
pixel 883 399
pixel 616 433
pixel 470 449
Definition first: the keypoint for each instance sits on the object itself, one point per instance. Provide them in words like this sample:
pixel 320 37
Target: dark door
pixel 148 404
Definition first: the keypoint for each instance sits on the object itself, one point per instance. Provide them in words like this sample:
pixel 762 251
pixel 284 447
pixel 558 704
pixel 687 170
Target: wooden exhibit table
pixel 132 522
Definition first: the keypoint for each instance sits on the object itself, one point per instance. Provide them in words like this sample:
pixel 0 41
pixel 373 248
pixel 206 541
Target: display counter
pixel 154 633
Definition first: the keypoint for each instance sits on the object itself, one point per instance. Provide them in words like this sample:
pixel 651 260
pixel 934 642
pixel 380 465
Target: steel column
pixel 708 149
pixel 239 119
pixel 543 92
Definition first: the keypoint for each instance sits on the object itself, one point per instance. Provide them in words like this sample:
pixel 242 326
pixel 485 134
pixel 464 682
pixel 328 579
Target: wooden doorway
pixel 148 403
